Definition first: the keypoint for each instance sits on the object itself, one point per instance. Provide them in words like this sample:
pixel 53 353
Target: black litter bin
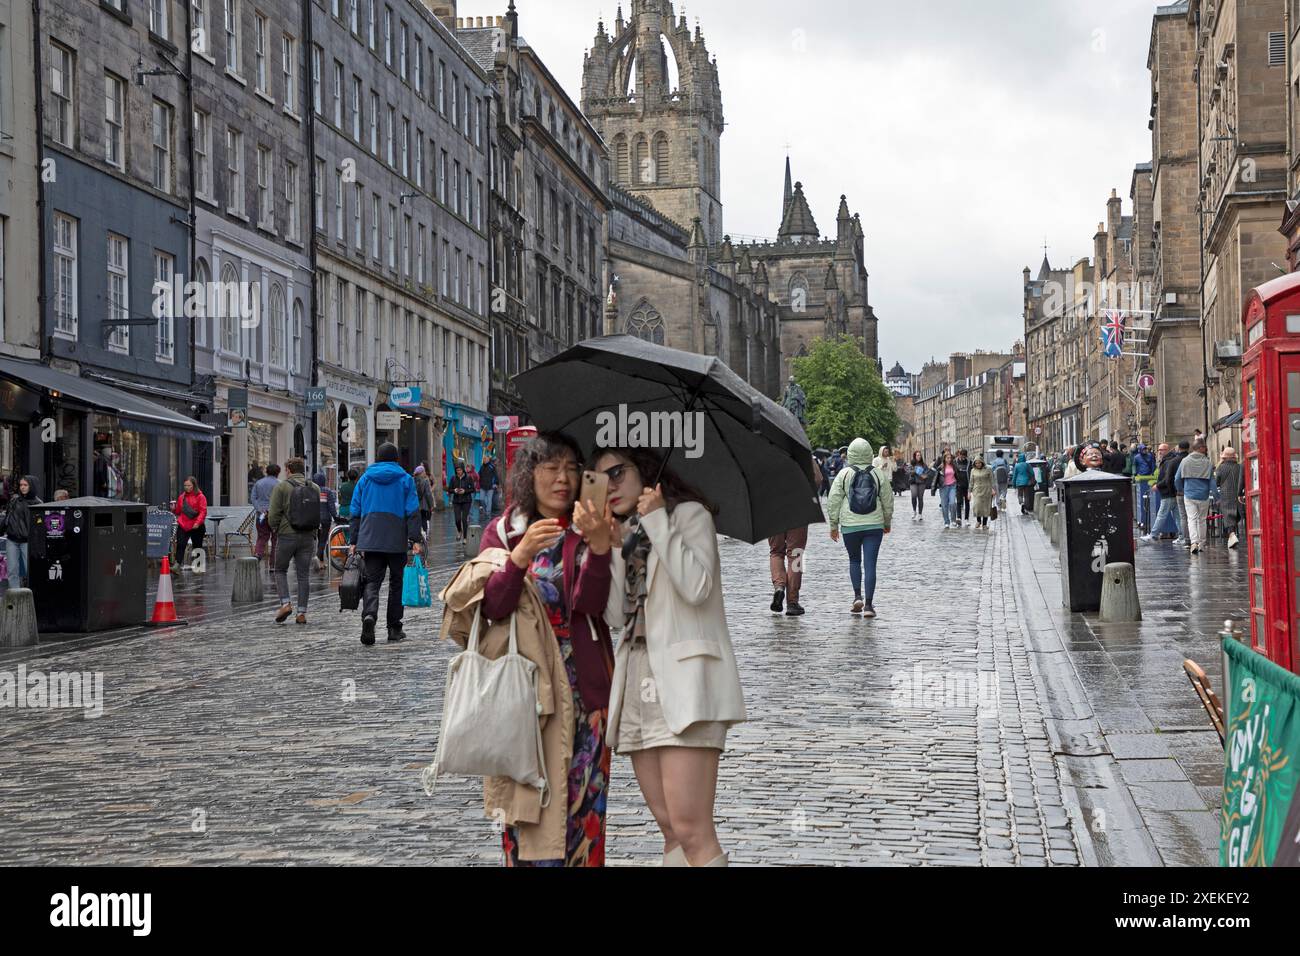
pixel 1097 509
pixel 88 564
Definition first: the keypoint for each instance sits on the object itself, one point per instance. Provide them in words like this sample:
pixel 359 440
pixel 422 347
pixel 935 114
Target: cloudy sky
pixel 964 133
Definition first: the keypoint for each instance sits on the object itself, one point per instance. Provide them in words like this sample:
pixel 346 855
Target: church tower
pixel 652 91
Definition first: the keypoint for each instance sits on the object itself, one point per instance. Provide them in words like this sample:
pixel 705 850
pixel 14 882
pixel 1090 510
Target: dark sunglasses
pixel 616 473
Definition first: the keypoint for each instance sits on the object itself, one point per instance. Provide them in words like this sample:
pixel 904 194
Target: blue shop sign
pixel 405 397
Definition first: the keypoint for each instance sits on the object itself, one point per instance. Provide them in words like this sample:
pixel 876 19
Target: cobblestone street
pixel 234 740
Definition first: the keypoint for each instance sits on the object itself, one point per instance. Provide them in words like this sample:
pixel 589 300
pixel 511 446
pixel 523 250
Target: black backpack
pixel 864 492
pixel 304 507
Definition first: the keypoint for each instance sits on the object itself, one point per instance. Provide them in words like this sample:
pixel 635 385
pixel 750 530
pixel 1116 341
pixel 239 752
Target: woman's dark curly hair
pixel 521 493
pixel 647 463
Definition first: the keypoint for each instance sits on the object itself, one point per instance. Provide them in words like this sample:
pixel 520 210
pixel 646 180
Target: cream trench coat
pixel 686 624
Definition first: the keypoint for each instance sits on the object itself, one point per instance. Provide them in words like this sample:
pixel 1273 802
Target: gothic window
pixel 641 161
pixel 621 168
pixel 661 158
pixel 799 293
pixel 646 323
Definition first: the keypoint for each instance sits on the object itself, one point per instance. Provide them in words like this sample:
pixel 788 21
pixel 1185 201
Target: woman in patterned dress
pixel 565 553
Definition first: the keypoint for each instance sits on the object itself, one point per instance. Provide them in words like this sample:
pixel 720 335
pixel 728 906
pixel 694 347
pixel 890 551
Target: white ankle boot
pixel 675 857
pixel 716 861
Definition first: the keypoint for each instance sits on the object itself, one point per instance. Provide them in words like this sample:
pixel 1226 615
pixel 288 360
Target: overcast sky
pixel 962 132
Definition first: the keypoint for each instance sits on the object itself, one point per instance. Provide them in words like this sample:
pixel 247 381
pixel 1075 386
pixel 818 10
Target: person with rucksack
pixel 918 479
pixel 864 511
pixel 385 528
pixel 294 518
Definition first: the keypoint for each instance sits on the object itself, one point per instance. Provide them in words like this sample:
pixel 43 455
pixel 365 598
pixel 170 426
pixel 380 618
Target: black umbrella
pixel 749 457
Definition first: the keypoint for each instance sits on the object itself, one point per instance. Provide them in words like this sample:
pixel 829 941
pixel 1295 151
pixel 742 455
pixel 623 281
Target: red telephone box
pixel 516 437
pixel 1270 404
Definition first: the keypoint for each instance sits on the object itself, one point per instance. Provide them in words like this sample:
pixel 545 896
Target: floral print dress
pixel 589 770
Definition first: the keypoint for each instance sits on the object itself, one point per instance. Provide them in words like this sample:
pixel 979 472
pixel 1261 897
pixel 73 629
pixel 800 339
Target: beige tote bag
pixel 490 725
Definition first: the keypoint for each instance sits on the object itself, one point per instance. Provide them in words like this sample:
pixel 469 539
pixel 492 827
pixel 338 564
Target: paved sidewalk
pixel 1135 746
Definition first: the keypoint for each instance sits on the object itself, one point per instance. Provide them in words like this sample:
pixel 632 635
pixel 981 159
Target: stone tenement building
pixel 969 397
pixel 652 90
pixel 1172 234
pixel 549 184
pixel 1240 69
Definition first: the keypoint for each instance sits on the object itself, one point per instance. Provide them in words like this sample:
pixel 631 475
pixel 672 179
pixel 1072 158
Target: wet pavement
pixel 930 735
pixel 1129 732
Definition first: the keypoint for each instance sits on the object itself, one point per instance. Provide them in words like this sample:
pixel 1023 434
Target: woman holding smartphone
pixel 568 562
pixel 676 685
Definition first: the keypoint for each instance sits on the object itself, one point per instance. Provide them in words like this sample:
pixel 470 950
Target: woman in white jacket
pixel 676 685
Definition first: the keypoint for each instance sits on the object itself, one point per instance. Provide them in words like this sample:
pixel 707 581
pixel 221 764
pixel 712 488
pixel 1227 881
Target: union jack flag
pixel 1112 335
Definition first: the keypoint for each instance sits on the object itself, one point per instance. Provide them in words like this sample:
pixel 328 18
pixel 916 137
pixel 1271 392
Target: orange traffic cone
pixel 164 606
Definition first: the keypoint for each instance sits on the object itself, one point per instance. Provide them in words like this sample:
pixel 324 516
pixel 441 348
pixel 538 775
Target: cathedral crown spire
pixel 798 222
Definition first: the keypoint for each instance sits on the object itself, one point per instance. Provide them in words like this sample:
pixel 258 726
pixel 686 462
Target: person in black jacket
pixel 1169 501
pixel 18 529
pixel 461 490
pixel 962 466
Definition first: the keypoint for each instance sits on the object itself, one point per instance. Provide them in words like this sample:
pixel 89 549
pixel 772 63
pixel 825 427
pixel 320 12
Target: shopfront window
pixel 261 444
pixel 121 461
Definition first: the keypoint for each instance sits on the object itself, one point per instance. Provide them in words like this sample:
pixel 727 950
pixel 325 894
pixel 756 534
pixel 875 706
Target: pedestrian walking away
pixel 191 512
pixel 461 490
pixel 549 547
pixel 295 519
pixel 488 483
pixel 385 528
pixel 1001 477
pixel 18 530
pixel 260 499
pixel 1232 495
pixel 860 508
pixel 944 481
pixel 786 552
pixel 981 492
pixel 666 594
pixel 918 479
pixel 424 495
pixel 1194 482
pixel 346 488
pixel 329 513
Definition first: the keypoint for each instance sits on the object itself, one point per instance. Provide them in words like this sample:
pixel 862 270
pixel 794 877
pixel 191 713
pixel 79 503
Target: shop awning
pixel 142 414
pixel 1227 421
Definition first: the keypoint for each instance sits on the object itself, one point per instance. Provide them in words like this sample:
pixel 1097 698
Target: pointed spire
pixel 697 234
pixel 798 222
pixel 746 267
pixel 725 254
pixel 760 275
pixel 844 209
pixel 1045 270
pixel 789 189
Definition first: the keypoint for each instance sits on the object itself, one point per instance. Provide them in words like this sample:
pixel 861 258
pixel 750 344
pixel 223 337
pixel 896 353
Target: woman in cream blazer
pixel 676 686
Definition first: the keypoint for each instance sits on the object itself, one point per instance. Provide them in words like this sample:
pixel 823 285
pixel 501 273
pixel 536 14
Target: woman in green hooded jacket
pixel 863 533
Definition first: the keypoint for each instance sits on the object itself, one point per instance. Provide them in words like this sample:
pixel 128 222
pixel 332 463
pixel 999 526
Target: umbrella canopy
pixel 745 453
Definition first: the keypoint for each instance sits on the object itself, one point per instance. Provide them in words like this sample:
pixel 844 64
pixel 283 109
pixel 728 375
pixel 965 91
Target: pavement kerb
pixel 1091 782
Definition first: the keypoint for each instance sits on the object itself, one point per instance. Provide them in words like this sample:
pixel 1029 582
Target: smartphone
pixel 595 491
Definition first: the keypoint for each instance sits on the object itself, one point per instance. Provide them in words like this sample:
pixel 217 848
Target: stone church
pixel 651 88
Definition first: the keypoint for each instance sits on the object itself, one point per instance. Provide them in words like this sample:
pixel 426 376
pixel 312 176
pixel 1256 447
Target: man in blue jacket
pixel 385 526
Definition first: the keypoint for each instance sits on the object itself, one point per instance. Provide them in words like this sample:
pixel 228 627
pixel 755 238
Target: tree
pixel 846 397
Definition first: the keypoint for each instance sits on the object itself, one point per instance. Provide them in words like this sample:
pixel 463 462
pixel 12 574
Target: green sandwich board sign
pixel 1260 823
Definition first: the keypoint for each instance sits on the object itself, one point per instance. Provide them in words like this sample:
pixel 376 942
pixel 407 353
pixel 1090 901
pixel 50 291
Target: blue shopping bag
pixel 415 586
